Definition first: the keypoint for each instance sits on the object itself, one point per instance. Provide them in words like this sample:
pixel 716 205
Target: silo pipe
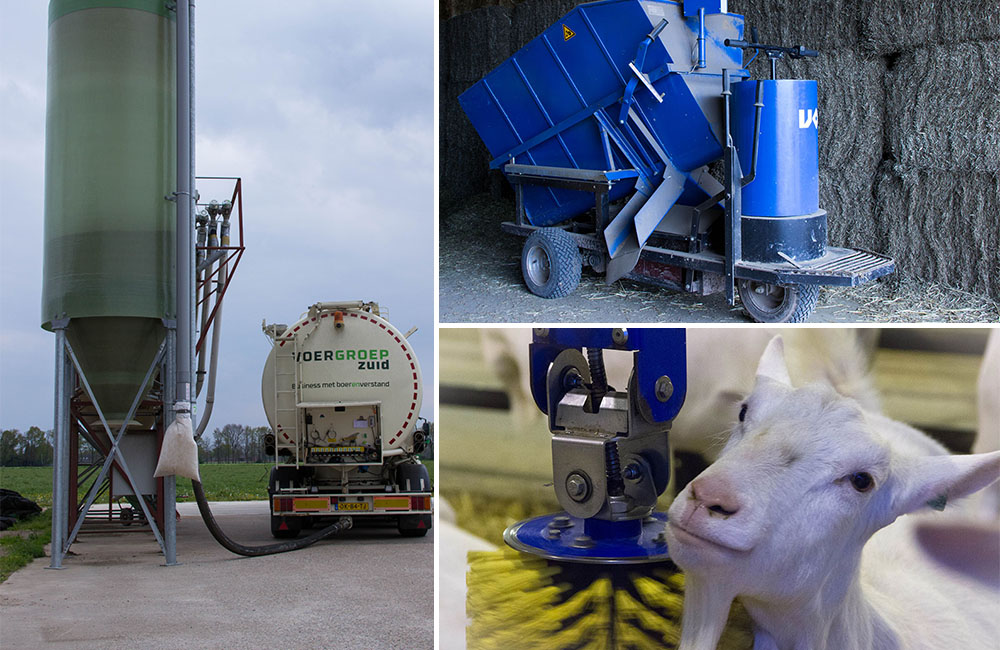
pixel 213 363
pixel 185 199
pixel 205 294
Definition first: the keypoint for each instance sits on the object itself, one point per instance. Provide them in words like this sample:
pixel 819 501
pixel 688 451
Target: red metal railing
pixel 230 260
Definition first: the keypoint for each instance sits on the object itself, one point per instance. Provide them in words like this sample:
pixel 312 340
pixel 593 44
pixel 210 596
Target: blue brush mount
pixel 610 455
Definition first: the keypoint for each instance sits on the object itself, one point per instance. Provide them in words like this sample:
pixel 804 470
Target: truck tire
pixel 770 303
pixel 550 263
pixel 413 477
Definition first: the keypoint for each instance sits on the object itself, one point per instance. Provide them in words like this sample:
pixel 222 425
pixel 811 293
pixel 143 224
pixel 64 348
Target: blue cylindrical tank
pixel 787 180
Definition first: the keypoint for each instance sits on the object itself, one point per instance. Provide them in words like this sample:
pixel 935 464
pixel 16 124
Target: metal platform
pixel 846 267
pixel 839 267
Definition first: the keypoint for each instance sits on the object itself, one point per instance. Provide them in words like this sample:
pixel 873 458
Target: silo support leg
pixel 114 453
pixel 60 469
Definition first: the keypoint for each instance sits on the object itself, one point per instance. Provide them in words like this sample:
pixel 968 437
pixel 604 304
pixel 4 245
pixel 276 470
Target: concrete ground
pixel 366 588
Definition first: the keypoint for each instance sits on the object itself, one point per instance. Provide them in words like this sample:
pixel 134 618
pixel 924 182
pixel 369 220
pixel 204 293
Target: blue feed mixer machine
pixel 606 124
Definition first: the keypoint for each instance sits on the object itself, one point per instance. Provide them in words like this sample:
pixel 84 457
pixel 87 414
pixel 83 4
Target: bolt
pixel 541 332
pixel 664 388
pixel 562 521
pixel 572 379
pixel 619 335
pixel 553 533
pixel 577 486
pixel 661 539
pixel 583 541
pixel 632 472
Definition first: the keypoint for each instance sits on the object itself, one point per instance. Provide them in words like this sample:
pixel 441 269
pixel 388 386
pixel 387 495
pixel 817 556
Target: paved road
pixel 368 588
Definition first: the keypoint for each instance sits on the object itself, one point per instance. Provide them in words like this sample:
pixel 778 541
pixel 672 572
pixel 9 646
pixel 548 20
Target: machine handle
pixel 797 52
pixel 656 30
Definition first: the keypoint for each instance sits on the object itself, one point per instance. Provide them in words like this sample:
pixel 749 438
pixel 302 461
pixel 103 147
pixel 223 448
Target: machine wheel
pixel 771 303
pixel 550 263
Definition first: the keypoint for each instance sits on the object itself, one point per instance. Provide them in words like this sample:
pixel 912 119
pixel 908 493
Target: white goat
pixel 794 518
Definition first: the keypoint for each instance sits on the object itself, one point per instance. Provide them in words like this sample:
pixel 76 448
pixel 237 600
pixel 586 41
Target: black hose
pixel 341 524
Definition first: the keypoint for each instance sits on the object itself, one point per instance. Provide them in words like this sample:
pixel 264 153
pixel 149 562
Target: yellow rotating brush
pixel 517 600
pixel 521 600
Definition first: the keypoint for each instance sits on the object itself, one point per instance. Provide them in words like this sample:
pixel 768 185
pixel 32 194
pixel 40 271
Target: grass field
pixel 23 542
pixel 236 482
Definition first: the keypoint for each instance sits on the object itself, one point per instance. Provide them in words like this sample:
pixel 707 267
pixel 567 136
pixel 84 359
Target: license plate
pixel 352 506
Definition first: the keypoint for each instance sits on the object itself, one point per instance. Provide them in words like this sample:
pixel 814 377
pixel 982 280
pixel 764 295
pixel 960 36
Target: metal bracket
pixel 114 453
pixel 610 454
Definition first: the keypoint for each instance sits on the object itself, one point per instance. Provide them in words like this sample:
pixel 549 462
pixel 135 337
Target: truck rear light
pixel 420 503
pixel 283 504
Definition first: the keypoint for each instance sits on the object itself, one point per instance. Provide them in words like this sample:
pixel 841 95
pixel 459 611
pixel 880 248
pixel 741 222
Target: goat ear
pixel 772 363
pixel 932 481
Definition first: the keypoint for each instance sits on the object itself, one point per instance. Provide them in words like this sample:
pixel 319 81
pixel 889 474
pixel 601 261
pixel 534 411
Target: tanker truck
pixel 342 392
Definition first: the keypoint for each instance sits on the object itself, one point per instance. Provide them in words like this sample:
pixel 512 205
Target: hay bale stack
pixel 944 108
pixel 531 17
pixel 850 205
pixel 474 43
pixel 828 25
pixel 961 21
pixel 851 106
pixel 894 26
pixel 942 226
pixel 449 8
pixel 463 164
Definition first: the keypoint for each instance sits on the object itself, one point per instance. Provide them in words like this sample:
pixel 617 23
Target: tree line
pixel 232 443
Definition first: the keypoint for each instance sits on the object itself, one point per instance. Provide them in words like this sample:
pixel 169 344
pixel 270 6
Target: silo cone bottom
pixel 115 353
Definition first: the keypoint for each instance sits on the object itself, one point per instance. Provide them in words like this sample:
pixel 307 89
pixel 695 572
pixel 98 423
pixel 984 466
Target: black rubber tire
pixel 550 263
pixel 792 303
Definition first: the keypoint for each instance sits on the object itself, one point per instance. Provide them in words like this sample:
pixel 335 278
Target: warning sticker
pixel 568 33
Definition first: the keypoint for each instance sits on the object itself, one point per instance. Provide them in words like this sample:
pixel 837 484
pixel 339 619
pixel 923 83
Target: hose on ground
pixel 340 525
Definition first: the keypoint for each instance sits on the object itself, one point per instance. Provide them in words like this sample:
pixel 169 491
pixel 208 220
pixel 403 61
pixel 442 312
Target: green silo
pixel 109 163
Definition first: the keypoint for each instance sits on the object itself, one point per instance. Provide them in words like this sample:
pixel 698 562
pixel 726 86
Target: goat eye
pixel 743 412
pixel 862 481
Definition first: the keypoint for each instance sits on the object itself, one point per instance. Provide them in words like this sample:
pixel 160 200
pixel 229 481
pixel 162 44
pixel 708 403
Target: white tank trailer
pixel 342 392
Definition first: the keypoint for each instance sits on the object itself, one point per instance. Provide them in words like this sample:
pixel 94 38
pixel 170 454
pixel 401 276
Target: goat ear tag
pixel 938 502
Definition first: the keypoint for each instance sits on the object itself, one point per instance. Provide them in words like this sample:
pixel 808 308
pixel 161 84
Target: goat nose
pixel 716 494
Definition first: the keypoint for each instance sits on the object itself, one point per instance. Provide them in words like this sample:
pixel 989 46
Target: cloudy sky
pixel 325 108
